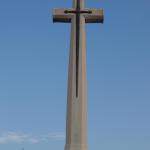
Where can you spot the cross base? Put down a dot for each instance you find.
(75, 147)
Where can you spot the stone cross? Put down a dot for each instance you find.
(76, 138)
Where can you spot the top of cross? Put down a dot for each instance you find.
(78, 3)
(91, 15)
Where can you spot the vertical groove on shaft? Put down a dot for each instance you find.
(77, 45)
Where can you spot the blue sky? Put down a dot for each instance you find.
(33, 75)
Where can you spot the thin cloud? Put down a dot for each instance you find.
(14, 137)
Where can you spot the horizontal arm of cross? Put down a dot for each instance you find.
(59, 15)
(91, 15)
(96, 16)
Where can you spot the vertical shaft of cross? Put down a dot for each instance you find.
(80, 2)
(76, 109)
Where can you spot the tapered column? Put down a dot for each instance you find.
(76, 104)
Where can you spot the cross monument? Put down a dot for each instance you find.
(78, 16)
